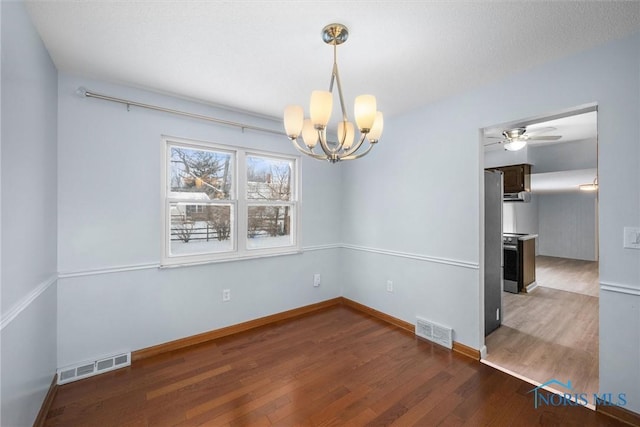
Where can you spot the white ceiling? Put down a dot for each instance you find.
(260, 56)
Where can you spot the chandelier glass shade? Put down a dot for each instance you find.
(313, 130)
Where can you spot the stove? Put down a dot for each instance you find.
(511, 261)
(511, 238)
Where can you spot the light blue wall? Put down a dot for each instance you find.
(29, 218)
(109, 217)
(409, 212)
(418, 195)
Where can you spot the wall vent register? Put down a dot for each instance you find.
(433, 332)
(91, 368)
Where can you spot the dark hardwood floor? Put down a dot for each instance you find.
(334, 367)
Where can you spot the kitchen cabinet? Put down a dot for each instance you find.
(517, 178)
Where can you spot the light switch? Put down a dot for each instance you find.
(632, 237)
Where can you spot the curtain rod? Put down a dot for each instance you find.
(81, 91)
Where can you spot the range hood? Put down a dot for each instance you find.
(523, 196)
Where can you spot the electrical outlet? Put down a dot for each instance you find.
(632, 237)
(389, 286)
(316, 280)
(226, 295)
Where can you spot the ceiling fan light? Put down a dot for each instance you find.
(588, 187)
(593, 186)
(516, 145)
(514, 133)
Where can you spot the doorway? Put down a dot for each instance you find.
(549, 325)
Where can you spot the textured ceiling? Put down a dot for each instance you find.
(260, 56)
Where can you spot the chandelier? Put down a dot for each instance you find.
(314, 129)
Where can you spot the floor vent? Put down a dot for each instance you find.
(434, 332)
(89, 369)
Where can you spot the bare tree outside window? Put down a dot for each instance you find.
(200, 177)
(219, 219)
(269, 182)
(203, 171)
(183, 230)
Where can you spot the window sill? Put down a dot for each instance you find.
(175, 263)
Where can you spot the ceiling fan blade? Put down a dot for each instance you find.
(535, 131)
(488, 144)
(494, 137)
(545, 138)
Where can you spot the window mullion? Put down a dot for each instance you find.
(241, 194)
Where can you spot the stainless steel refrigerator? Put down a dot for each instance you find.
(493, 254)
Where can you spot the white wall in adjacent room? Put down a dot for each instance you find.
(568, 225)
(29, 217)
(520, 217)
(564, 157)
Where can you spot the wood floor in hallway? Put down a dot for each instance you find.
(336, 367)
(571, 275)
(552, 332)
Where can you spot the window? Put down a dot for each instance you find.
(223, 203)
(269, 202)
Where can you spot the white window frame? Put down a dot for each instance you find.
(238, 201)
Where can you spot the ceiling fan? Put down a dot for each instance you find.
(515, 139)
